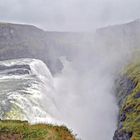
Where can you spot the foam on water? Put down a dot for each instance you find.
(25, 85)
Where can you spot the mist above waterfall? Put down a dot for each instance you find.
(85, 94)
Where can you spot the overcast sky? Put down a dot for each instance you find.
(69, 15)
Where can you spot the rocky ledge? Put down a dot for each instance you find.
(22, 130)
(128, 97)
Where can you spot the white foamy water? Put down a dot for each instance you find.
(25, 85)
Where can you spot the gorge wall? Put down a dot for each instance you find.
(128, 98)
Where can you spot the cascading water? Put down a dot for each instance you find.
(80, 97)
(25, 84)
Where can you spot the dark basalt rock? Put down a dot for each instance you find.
(137, 95)
(121, 135)
(125, 86)
(128, 94)
(122, 117)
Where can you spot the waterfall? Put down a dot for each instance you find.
(26, 91)
(81, 96)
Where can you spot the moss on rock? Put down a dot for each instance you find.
(129, 114)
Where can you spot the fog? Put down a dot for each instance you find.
(70, 15)
(85, 91)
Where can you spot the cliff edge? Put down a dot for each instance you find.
(22, 130)
(128, 97)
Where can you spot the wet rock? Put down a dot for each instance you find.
(125, 86)
(121, 135)
(128, 90)
(122, 117)
(137, 95)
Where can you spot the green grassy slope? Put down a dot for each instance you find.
(22, 130)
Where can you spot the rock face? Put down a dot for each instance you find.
(27, 41)
(119, 36)
(128, 97)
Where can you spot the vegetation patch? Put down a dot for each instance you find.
(22, 130)
(129, 115)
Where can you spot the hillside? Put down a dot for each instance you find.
(22, 130)
(27, 41)
(120, 36)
